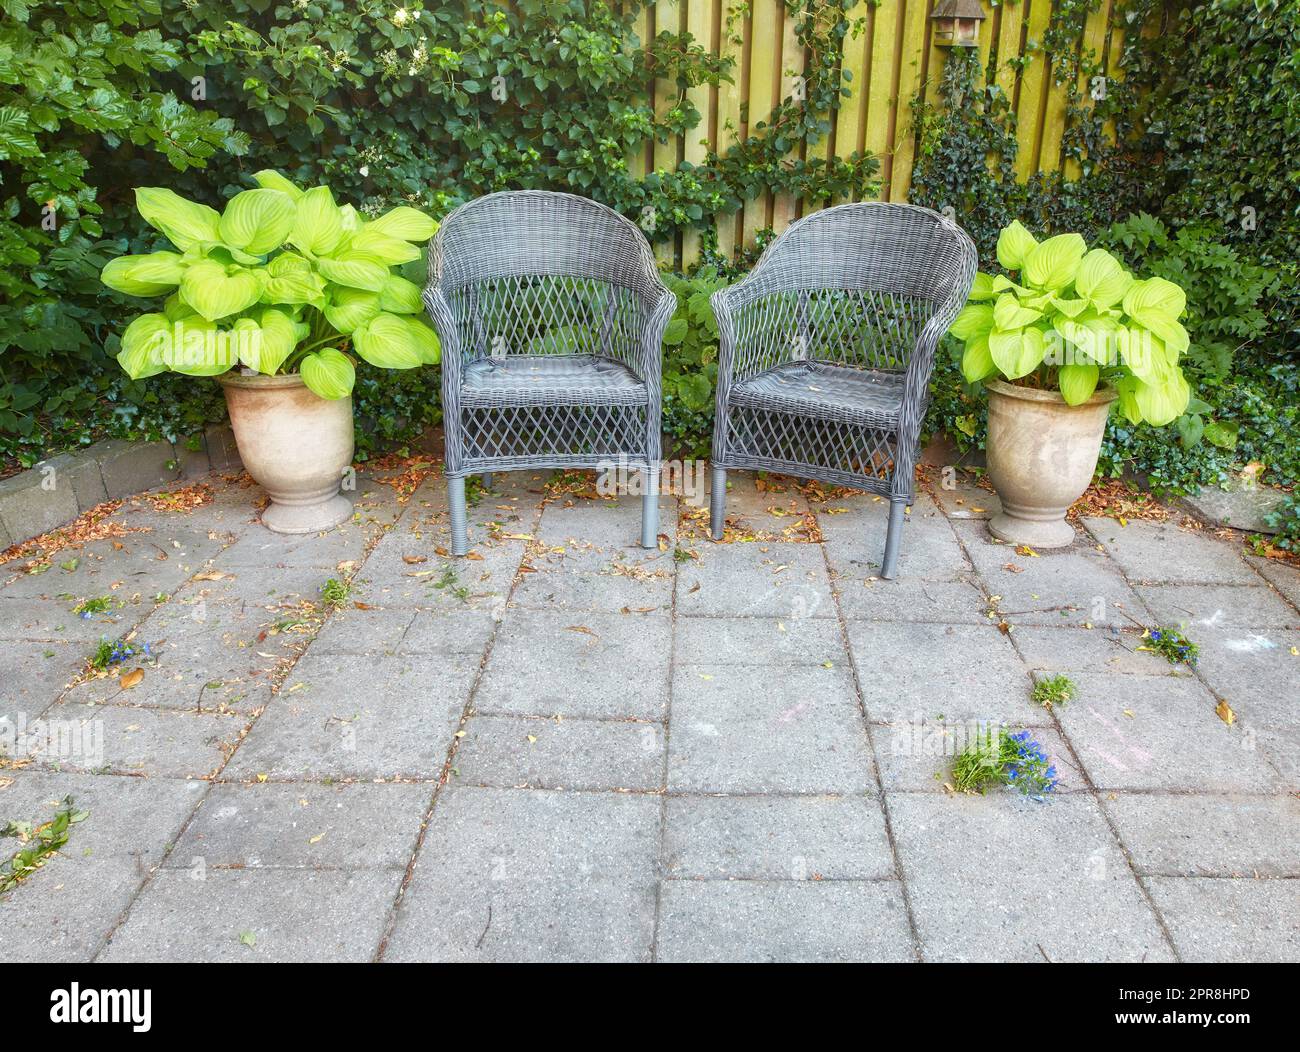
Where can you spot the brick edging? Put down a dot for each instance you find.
(58, 489)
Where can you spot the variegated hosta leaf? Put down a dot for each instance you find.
(975, 319)
(388, 342)
(982, 289)
(1009, 314)
(1163, 403)
(1101, 279)
(976, 361)
(277, 334)
(390, 251)
(425, 340)
(329, 373)
(257, 221)
(292, 279)
(184, 223)
(148, 275)
(1053, 263)
(1019, 352)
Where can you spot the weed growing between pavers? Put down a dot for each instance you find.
(112, 652)
(999, 758)
(1054, 690)
(334, 593)
(1176, 647)
(44, 842)
(99, 604)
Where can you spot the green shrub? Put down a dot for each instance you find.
(690, 373)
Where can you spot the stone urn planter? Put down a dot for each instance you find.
(1042, 453)
(296, 445)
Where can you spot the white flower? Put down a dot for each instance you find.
(364, 170)
(401, 16)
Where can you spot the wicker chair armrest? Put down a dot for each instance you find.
(444, 324)
(655, 319)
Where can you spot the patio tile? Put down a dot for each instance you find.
(910, 599)
(258, 587)
(962, 497)
(127, 740)
(64, 912)
(304, 827)
(737, 729)
(1152, 732)
(755, 579)
(1256, 673)
(798, 838)
(1230, 920)
(36, 673)
(526, 875)
(960, 672)
(547, 663)
(405, 571)
(757, 641)
(765, 506)
(619, 587)
(1162, 551)
(854, 529)
(1226, 608)
(918, 756)
(52, 620)
(1286, 579)
(755, 921)
(1072, 650)
(1001, 878)
(260, 547)
(1077, 585)
(590, 533)
(357, 716)
(287, 915)
(541, 753)
(1209, 836)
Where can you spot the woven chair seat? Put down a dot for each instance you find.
(569, 379)
(860, 396)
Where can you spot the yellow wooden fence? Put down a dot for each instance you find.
(892, 59)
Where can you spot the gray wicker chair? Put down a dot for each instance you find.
(827, 347)
(551, 315)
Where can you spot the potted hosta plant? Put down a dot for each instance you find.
(278, 296)
(1068, 336)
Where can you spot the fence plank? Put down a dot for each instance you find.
(731, 44)
(1029, 110)
(766, 21)
(909, 74)
(699, 23)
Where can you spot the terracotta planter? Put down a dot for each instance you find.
(1042, 453)
(296, 445)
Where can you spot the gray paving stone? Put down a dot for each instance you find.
(148, 742)
(63, 912)
(1209, 836)
(304, 826)
(1001, 878)
(855, 540)
(260, 547)
(1075, 585)
(223, 453)
(619, 587)
(606, 665)
(1220, 608)
(133, 467)
(405, 570)
(918, 756)
(52, 620)
(1231, 920)
(36, 673)
(1162, 551)
(755, 579)
(776, 838)
(757, 641)
(738, 729)
(751, 921)
(81, 471)
(287, 914)
(526, 875)
(588, 534)
(1152, 732)
(1091, 650)
(453, 633)
(1256, 673)
(960, 672)
(267, 587)
(509, 751)
(764, 506)
(1286, 579)
(28, 508)
(357, 717)
(1243, 507)
(912, 599)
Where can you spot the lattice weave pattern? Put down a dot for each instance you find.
(551, 315)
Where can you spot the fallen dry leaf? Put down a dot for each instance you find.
(412, 560)
(1224, 711)
(1024, 549)
(210, 575)
(131, 679)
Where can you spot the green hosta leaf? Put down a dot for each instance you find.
(1053, 264)
(387, 341)
(407, 224)
(329, 373)
(278, 335)
(1173, 334)
(976, 362)
(292, 279)
(425, 340)
(982, 289)
(1162, 403)
(247, 337)
(257, 221)
(974, 319)
(399, 296)
(1077, 382)
(272, 180)
(390, 251)
(1009, 314)
(175, 307)
(349, 308)
(355, 273)
(1070, 308)
(184, 223)
(1092, 336)
(149, 275)
(317, 223)
(1101, 279)
(1019, 352)
(1154, 299)
(1127, 388)
(675, 331)
(1145, 355)
(1014, 245)
(142, 346)
(1002, 283)
(198, 348)
(218, 292)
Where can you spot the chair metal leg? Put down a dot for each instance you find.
(487, 480)
(889, 565)
(718, 503)
(650, 509)
(459, 532)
